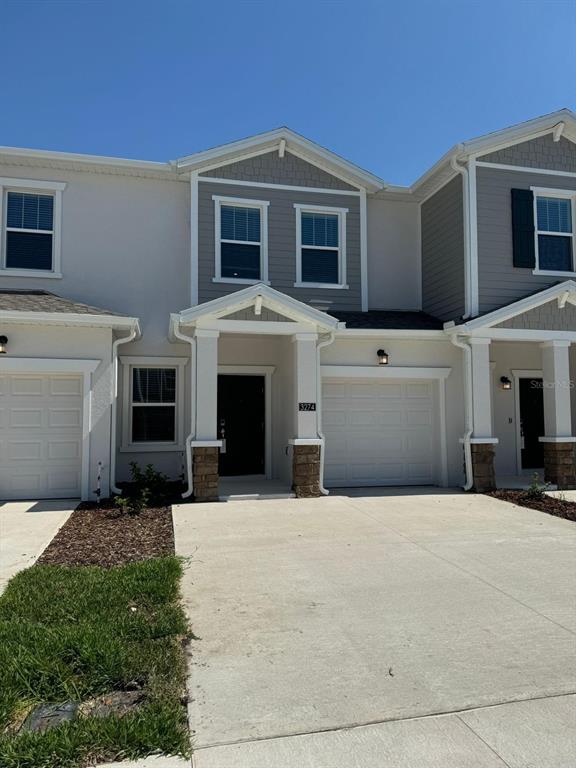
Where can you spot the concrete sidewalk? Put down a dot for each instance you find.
(26, 529)
(388, 631)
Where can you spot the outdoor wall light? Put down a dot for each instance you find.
(382, 357)
(3, 343)
(506, 383)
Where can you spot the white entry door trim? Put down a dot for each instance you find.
(62, 365)
(403, 372)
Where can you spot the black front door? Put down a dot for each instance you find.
(241, 414)
(531, 423)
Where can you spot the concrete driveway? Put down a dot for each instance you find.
(384, 631)
(26, 529)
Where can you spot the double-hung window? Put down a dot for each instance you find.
(554, 213)
(152, 404)
(31, 227)
(241, 236)
(321, 246)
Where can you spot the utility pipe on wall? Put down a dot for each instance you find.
(468, 409)
(192, 341)
(114, 405)
(463, 171)
(319, 346)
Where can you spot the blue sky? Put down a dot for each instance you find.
(390, 86)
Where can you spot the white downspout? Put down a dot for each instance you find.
(463, 170)
(468, 409)
(321, 344)
(192, 341)
(114, 406)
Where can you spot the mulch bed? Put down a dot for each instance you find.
(101, 535)
(548, 504)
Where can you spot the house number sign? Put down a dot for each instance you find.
(306, 406)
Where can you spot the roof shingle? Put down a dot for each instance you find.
(385, 319)
(44, 301)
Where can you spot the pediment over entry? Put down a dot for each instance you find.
(258, 304)
(553, 309)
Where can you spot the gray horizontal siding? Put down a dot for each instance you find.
(273, 169)
(548, 317)
(443, 252)
(542, 152)
(281, 243)
(500, 282)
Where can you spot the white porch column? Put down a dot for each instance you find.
(557, 392)
(305, 391)
(481, 388)
(206, 383)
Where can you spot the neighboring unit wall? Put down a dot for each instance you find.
(270, 168)
(500, 282)
(442, 226)
(281, 243)
(125, 246)
(542, 152)
(393, 255)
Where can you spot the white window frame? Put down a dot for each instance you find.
(34, 187)
(239, 202)
(565, 194)
(128, 365)
(301, 208)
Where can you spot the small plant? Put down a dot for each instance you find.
(537, 489)
(155, 484)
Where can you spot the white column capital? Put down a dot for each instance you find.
(477, 341)
(556, 344)
(206, 333)
(304, 337)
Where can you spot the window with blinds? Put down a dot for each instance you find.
(240, 242)
(555, 233)
(320, 247)
(29, 231)
(153, 405)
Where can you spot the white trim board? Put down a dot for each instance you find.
(266, 371)
(286, 187)
(382, 372)
(61, 365)
(525, 169)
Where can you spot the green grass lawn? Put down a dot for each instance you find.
(75, 633)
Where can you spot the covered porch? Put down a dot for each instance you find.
(523, 391)
(255, 428)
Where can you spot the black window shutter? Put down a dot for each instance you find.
(523, 228)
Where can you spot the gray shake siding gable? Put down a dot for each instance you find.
(270, 168)
(443, 252)
(281, 243)
(547, 317)
(499, 282)
(542, 152)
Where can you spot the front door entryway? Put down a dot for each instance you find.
(241, 424)
(531, 422)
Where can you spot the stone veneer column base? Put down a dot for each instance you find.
(560, 465)
(205, 473)
(306, 471)
(483, 467)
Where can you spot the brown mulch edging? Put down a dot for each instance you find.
(548, 504)
(101, 536)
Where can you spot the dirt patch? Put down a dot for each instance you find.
(101, 535)
(549, 504)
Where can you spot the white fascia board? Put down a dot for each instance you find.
(391, 333)
(71, 319)
(72, 157)
(271, 298)
(512, 310)
(312, 152)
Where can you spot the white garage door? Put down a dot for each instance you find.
(40, 436)
(380, 432)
